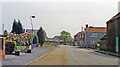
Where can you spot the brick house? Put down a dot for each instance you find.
(113, 32)
(92, 35)
(81, 40)
(77, 39)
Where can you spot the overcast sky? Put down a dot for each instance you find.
(57, 15)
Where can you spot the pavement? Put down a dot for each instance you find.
(70, 55)
(108, 53)
(26, 58)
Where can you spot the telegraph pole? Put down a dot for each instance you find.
(3, 29)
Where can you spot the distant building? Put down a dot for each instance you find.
(90, 36)
(77, 39)
(53, 40)
(113, 33)
(35, 31)
(47, 39)
(57, 39)
(30, 30)
(82, 37)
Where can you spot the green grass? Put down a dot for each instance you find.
(50, 43)
(21, 47)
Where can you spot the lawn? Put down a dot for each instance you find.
(21, 47)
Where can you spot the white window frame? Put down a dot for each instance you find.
(94, 35)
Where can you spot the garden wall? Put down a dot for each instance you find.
(2, 49)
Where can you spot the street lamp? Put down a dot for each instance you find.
(3, 29)
(32, 30)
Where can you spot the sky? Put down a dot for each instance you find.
(57, 15)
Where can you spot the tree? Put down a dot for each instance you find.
(17, 27)
(5, 33)
(14, 27)
(65, 36)
(35, 39)
(41, 36)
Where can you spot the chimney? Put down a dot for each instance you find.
(86, 25)
(82, 29)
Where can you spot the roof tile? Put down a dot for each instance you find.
(96, 29)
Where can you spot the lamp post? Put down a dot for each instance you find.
(32, 30)
(3, 29)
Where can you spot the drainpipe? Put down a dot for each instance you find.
(117, 37)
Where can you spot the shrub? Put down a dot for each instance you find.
(35, 39)
(38, 44)
(30, 39)
(10, 46)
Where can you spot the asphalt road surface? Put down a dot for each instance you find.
(79, 56)
(71, 55)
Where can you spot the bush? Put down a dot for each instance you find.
(50, 43)
(35, 39)
(29, 40)
(38, 44)
(10, 46)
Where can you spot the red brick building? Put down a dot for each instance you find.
(113, 31)
(2, 49)
(77, 39)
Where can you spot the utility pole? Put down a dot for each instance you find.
(3, 29)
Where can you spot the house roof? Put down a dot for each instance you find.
(115, 17)
(50, 39)
(77, 34)
(96, 29)
(56, 36)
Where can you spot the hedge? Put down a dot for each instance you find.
(10, 46)
(50, 43)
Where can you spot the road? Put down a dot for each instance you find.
(79, 56)
(70, 55)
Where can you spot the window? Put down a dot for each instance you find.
(92, 42)
(82, 35)
(94, 35)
